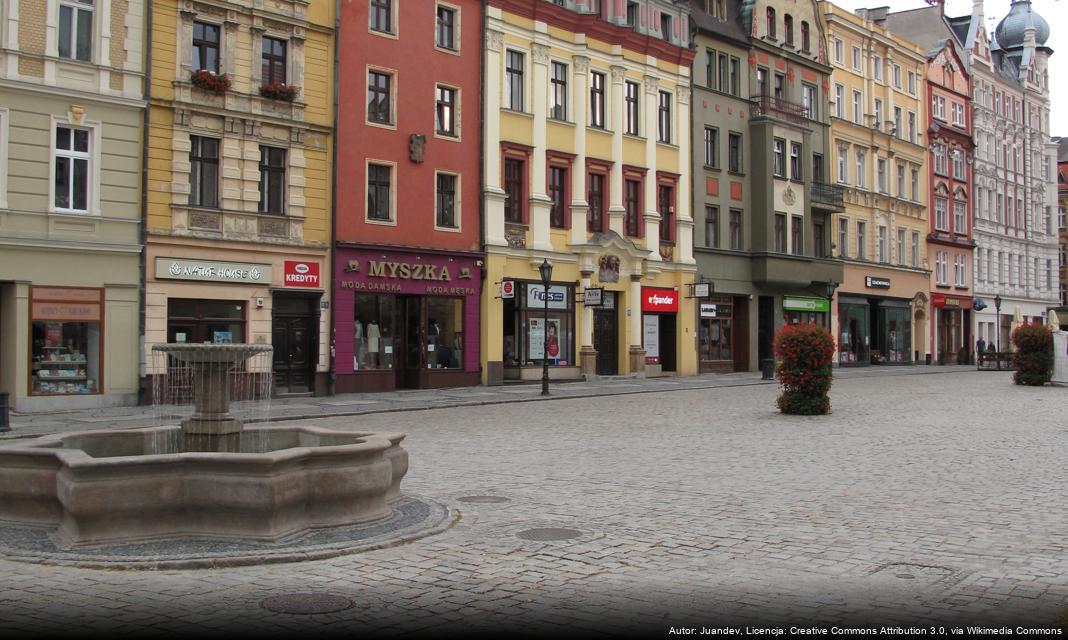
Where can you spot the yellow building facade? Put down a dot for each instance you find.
(240, 181)
(878, 111)
(586, 166)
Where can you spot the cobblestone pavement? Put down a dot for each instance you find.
(921, 500)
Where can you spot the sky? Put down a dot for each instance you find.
(1054, 11)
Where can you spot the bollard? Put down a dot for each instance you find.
(767, 368)
(5, 416)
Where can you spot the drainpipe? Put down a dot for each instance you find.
(332, 374)
(143, 232)
(482, 164)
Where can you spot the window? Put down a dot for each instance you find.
(206, 47)
(808, 100)
(843, 163)
(379, 192)
(797, 246)
(632, 204)
(915, 185)
(780, 232)
(912, 82)
(959, 215)
(806, 40)
(665, 26)
(72, 169)
(734, 152)
(446, 31)
(780, 86)
(839, 100)
(900, 180)
(1049, 274)
(514, 179)
(901, 247)
(940, 164)
(941, 214)
(862, 240)
(274, 61)
(818, 248)
(724, 76)
(513, 78)
(710, 68)
(877, 67)
(379, 102)
(878, 124)
(630, 98)
(770, 23)
(838, 46)
(632, 14)
(915, 249)
(558, 195)
(665, 199)
(76, 30)
(880, 173)
(938, 107)
(736, 229)
(762, 81)
(735, 74)
(1062, 218)
(715, 335)
(897, 76)
(858, 113)
(446, 201)
(897, 123)
(558, 108)
(843, 237)
(203, 172)
(382, 16)
(958, 114)
(597, 100)
(856, 58)
(66, 356)
(960, 271)
(912, 127)
(817, 167)
(788, 28)
(595, 198)
(958, 164)
(882, 247)
(778, 167)
(862, 168)
(711, 147)
(272, 180)
(664, 118)
(942, 268)
(445, 116)
(197, 321)
(795, 160)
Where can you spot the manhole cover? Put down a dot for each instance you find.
(548, 534)
(931, 574)
(306, 603)
(483, 499)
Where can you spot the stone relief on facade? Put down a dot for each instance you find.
(608, 268)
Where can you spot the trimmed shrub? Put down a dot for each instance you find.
(1034, 354)
(804, 353)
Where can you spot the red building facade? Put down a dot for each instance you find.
(407, 265)
(949, 240)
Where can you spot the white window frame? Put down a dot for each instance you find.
(897, 76)
(394, 88)
(394, 20)
(457, 204)
(858, 109)
(883, 245)
(901, 246)
(457, 130)
(960, 276)
(958, 164)
(843, 164)
(856, 58)
(843, 237)
(960, 217)
(456, 30)
(75, 6)
(942, 268)
(93, 155)
(938, 107)
(862, 239)
(912, 83)
(941, 213)
(5, 117)
(551, 91)
(901, 180)
(880, 171)
(839, 50)
(862, 164)
(877, 67)
(915, 250)
(393, 175)
(839, 100)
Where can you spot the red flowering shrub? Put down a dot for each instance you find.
(1034, 354)
(280, 91)
(804, 353)
(208, 81)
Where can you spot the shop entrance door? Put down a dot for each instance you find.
(606, 341)
(411, 337)
(294, 326)
(667, 342)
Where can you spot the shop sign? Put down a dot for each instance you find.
(70, 311)
(536, 296)
(408, 273)
(702, 289)
(651, 338)
(213, 271)
(67, 295)
(708, 310)
(660, 300)
(797, 303)
(391, 269)
(593, 297)
(875, 282)
(301, 274)
(508, 289)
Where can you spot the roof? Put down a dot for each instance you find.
(1062, 149)
(731, 28)
(924, 26)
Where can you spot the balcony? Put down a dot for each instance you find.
(827, 197)
(765, 105)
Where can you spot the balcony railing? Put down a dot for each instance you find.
(765, 105)
(827, 196)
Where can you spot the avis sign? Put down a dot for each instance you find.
(660, 300)
(301, 274)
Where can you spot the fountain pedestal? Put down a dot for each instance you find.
(211, 427)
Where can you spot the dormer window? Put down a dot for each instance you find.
(788, 27)
(771, 23)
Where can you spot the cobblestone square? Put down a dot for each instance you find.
(922, 500)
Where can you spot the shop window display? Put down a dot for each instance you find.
(715, 330)
(894, 336)
(854, 340)
(525, 326)
(444, 333)
(66, 357)
(215, 321)
(373, 332)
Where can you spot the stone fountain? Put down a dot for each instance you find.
(210, 478)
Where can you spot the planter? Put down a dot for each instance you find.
(211, 82)
(280, 91)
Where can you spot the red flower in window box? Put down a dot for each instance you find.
(217, 83)
(280, 91)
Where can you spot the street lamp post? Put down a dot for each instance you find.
(997, 328)
(546, 272)
(831, 287)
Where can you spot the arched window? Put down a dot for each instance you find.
(788, 27)
(771, 22)
(805, 43)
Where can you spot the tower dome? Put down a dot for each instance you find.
(1010, 31)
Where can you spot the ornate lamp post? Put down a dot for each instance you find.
(997, 328)
(831, 287)
(546, 272)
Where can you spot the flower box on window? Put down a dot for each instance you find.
(217, 83)
(280, 91)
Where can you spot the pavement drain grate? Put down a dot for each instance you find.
(484, 499)
(931, 574)
(548, 534)
(306, 603)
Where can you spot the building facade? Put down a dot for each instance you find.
(586, 164)
(878, 128)
(1062, 219)
(71, 113)
(239, 181)
(408, 269)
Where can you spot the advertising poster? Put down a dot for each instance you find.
(537, 338)
(651, 338)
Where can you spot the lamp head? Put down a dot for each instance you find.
(546, 271)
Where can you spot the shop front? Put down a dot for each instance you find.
(877, 311)
(951, 328)
(660, 311)
(722, 333)
(806, 310)
(406, 320)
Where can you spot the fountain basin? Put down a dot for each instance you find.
(130, 485)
